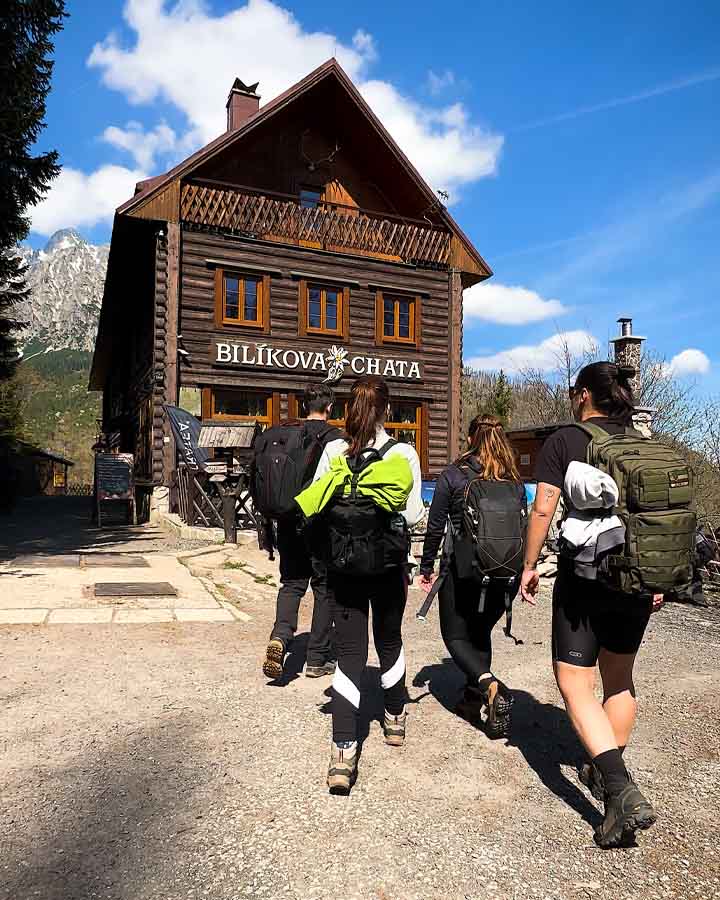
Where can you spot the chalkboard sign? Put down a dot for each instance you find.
(114, 472)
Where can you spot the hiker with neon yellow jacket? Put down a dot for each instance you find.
(365, 497)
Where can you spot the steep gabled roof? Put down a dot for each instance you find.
(152, 187)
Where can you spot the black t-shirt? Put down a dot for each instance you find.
(568, 444)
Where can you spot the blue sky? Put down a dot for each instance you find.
(580, 147)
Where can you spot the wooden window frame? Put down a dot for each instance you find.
(272, 407)
(421, 425)
(415, 319)
(263, 283)
(343, 292)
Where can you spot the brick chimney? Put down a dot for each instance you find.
(628, 352)
(242, 102)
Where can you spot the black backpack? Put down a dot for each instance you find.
(285, 460)
(360, 539)
(489, 548)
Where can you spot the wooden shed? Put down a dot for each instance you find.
(301, 245)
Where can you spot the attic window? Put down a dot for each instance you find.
(310, 198)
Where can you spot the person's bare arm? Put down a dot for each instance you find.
(546, 501)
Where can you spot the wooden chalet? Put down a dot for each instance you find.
(299, 245)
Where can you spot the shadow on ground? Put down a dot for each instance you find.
(56, 526)
(541, 731)
(106, 825)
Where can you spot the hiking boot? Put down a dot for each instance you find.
(343, 767)
(274, 655)
(590, 776)
(394, 729)
(327, 668)
(499, 701)
(470, 705)
(625, 813)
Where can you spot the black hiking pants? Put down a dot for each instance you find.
(468, 633)
(298, 569)
(353, 598)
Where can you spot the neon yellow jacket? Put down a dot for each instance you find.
(387, 482)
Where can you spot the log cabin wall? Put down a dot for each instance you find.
(159, 357)
(203, 252)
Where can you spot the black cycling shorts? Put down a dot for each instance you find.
(587, 617)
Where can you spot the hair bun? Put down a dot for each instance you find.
(627, 372)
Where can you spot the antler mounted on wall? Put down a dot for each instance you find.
(314, 164)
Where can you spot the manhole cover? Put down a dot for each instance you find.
(114, 560)
(62, 560)
(135, 589)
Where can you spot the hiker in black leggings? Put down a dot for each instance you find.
(466, 631)
(354, 596)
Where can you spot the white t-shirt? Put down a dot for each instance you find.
(415, 509)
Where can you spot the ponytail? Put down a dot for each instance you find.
(610, 388)
(491, 448)
(369, 399)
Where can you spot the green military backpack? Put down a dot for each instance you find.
(656, 505)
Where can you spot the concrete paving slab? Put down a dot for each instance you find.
(80, 616)
(73, 587)
(204, 615)
(237, 613)
(22, 616)
(143, 616)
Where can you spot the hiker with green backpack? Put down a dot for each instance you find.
(365, 497)
(632, 542)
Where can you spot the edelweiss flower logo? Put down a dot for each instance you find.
(336, 360)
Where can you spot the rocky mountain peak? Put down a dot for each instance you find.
(64, 239)
(66, 282)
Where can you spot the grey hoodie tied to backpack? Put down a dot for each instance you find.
(589, 530)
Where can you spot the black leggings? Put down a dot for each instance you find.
(467, 632)
(352, 600)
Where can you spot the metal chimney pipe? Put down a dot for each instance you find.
(625, 326)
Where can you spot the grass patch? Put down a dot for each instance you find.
(229, 564)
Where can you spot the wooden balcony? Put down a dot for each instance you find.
(327, 226)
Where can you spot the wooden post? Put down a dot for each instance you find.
(455, 368)
(171, 343)
(229, 522)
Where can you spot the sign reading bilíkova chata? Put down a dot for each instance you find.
(335, 361)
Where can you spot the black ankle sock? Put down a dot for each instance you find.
(612, 768)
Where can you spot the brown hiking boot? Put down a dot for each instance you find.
(499, 701)
(394, 728)
(343, 767)
(274, 655)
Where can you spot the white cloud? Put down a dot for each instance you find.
(188, 57)
(364, 43)
(77, 199)
(689, 362)
(504, 304)
(143, 145)
(437, 83)
(544, 356)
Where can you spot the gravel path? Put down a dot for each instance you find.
(156, 762)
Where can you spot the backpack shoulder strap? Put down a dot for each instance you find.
(594, 432)
(384, 449)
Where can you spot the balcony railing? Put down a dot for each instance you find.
(329, 226)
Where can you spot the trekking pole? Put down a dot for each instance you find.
(432, 593)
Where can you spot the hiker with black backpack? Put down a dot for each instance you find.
(285, 459)
(365, 496)
(480, 506)
(638, 542)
